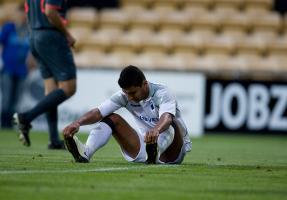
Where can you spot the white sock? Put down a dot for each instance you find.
(165, 139)
(98, 137)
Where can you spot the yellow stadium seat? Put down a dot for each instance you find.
(130, 41)
(206, 64)
(151, 59)
(88, 58)
(274, 64)
(237, 22)
(165, 6)
(251, 45)
(221, 44)
(116, 60)
(206, 4)
(278, 46)
(80, 16)
(205, 21)
(11, 1)
(101, 40)
(81, 34)
(257, 5)
(185, 60)
(142, 3)
(148, 19)
(7, 11)
(228, 5)
(115, 18)
(158, 42)
(192, 42)
(246, 63)
(266, 22)
(133, 7)
(175, 21)
(3, 16)
(124, 55)
(178, 61)
(195, 10)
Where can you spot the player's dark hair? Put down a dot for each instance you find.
(131, 76)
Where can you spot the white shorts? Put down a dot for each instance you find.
(165, 139)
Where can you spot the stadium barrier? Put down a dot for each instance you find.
(245, 106)
(208, 105)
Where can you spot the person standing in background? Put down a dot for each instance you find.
(50, 43)
(15, 56)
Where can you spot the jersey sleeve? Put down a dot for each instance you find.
(167, 102)
(115, 102)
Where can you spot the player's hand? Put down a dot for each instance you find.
(71, 129)
(71, 40)
(151, 136)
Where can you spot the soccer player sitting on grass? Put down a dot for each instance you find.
(161, 137)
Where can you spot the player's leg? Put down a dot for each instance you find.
(98, 137)
(172, 144)
(125, 135)
(114, 125)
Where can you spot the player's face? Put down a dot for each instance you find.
(137, 93)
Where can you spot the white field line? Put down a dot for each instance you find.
(104, 169)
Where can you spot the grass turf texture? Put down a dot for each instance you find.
(218, 167)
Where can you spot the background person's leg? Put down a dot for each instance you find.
(18, 88)
(51, 101)
(52, 118)
(6, 88)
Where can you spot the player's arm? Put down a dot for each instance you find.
(90, 117)
(163, 124)
(95, 115)
(167, 110)
(55, 19)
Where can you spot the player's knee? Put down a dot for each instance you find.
(114, 117)
(69, 87)
(69, 91)
(108, 120)
(112, 120)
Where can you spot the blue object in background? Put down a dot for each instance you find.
(15, 50)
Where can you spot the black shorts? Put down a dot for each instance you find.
(55, 58)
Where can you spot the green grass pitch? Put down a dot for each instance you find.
(218, 167)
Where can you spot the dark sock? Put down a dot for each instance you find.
(50, 102)
(52, 119)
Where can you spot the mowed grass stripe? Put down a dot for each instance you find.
(105, 169)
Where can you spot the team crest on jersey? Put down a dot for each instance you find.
(152, 106)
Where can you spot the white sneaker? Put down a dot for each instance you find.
(77, 149)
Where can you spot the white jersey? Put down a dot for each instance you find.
(147, 112)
